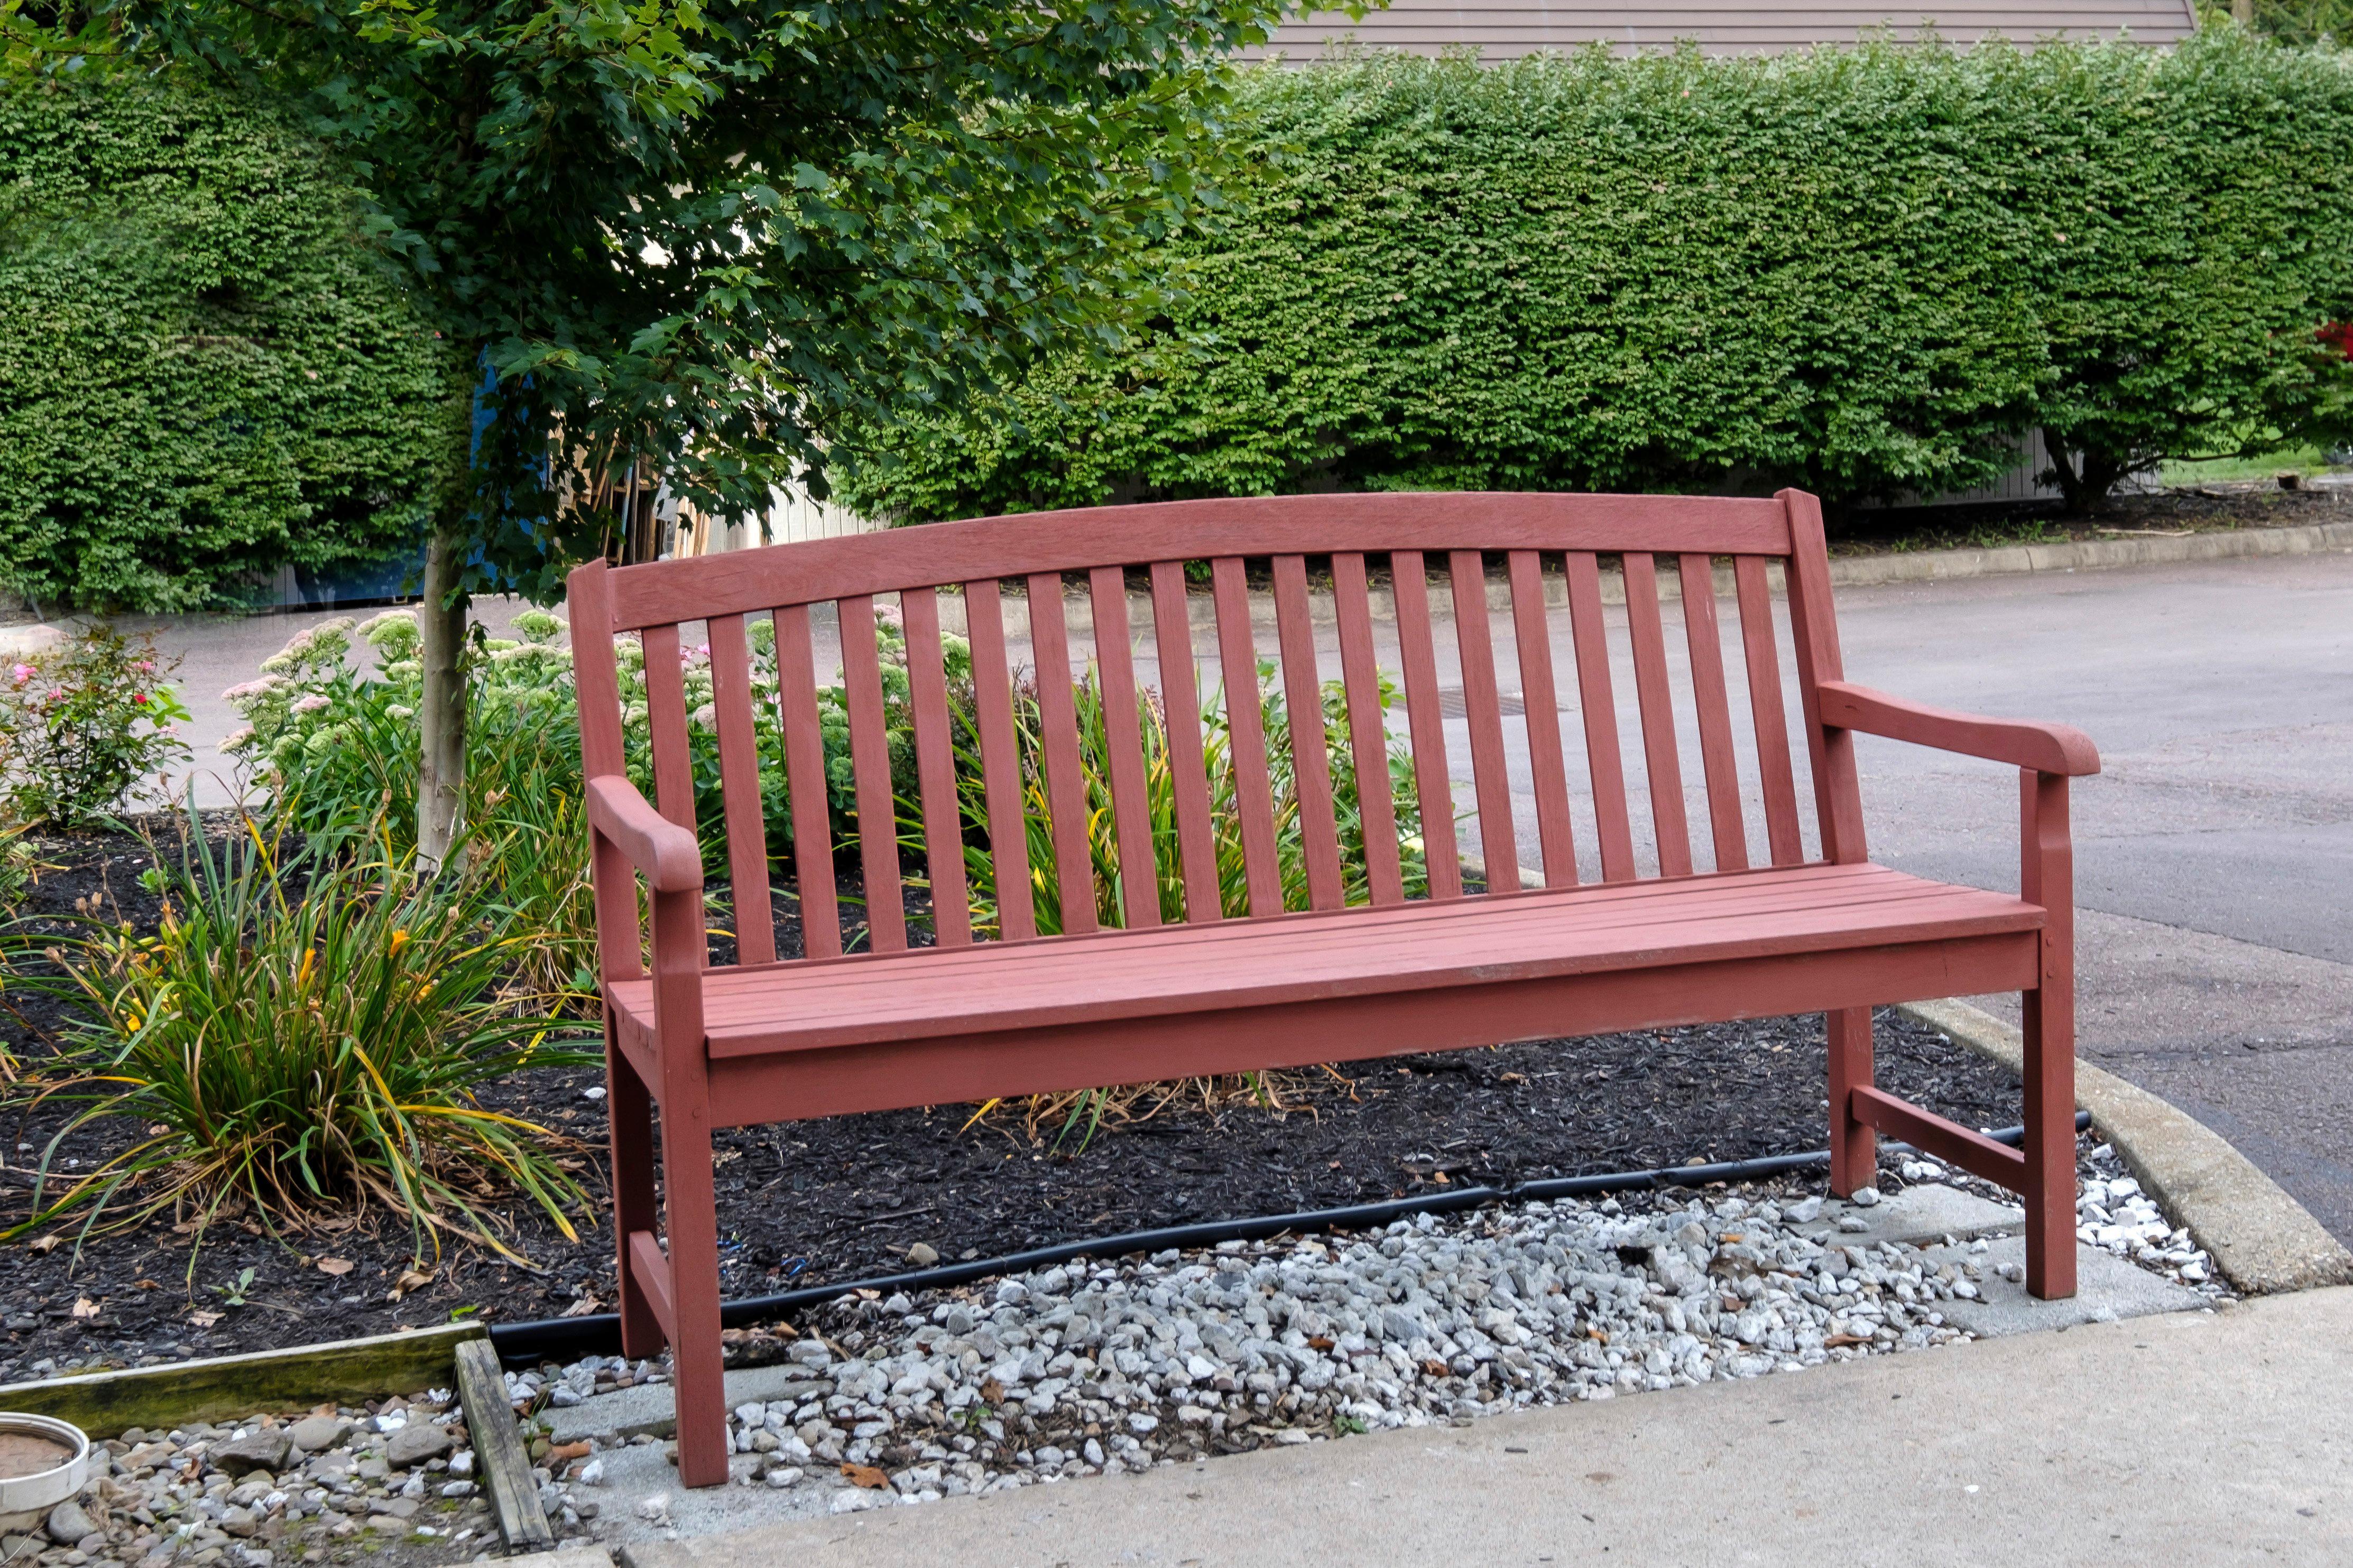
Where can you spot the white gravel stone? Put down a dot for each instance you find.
(1124, 1365)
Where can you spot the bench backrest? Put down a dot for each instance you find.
(1102, 792)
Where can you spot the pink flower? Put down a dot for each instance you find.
(22, 672)
(139, 697)
(146, 667)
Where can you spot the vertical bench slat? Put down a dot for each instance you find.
(1706, 642)
(927, 691)
(1066, 781)
(1655, 699)
(1368, 741)
(1311, 767)
(1484, 713)
(805, 778)
(739, 783)
(1139, 871)
(666, 727)
(870, 761)
(1180, 697)
(1764, 662)
(1418, 659)
(1253, 790)
(1542, 702)
(1813, 627)
(604, 750)
(1000, 759)
(1602, 758)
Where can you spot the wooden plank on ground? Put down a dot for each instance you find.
(499, 1453)
(104, 1404)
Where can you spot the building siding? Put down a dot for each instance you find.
(1511, 28)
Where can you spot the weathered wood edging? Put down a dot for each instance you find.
(289, 1381)
(2263, 1240)
(498, 1451)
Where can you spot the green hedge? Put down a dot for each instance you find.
(204, 370)
(1860, 271)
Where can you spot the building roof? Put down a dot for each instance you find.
(1507, 29)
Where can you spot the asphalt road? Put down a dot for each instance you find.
(2214, 851)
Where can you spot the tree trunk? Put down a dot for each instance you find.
(2086, 475)
(2244, 11)
(441, 627)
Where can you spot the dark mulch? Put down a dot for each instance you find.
(814, 1202)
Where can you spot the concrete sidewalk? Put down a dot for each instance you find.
(2189, 1439)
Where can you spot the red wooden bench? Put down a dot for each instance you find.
(1767, 929)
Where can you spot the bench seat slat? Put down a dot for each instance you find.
(1326, 955)
(823, 1001)
(951, 1069)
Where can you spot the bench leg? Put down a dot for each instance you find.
(1854, 1145)
(2047, 876)
(691, 1207)
(629, 1113)
(2050, 1139)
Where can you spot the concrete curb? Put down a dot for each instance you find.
(1927, 565)
(2263, 1240)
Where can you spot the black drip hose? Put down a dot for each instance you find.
(599, 1334)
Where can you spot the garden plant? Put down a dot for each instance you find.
(86, 727)
(303, 1034)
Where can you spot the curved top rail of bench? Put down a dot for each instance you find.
(740, 582)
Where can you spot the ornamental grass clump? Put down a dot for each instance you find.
(305, 1033)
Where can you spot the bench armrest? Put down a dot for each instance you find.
(666, 853)
(2044, 747)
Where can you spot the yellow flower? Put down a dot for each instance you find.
(399, 941)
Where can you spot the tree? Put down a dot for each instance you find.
(691, 235)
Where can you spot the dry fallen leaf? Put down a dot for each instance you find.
(85, 1308)
(1835, 1340)
(145, 1285)
(1319, 1342)
(411, 1278)
(203, 1319)
(992, 1392)
(582, 1308)
(564, 1451)
(867, 1476)
(338, 1267)
(48, 1243)
(1436, 1368)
